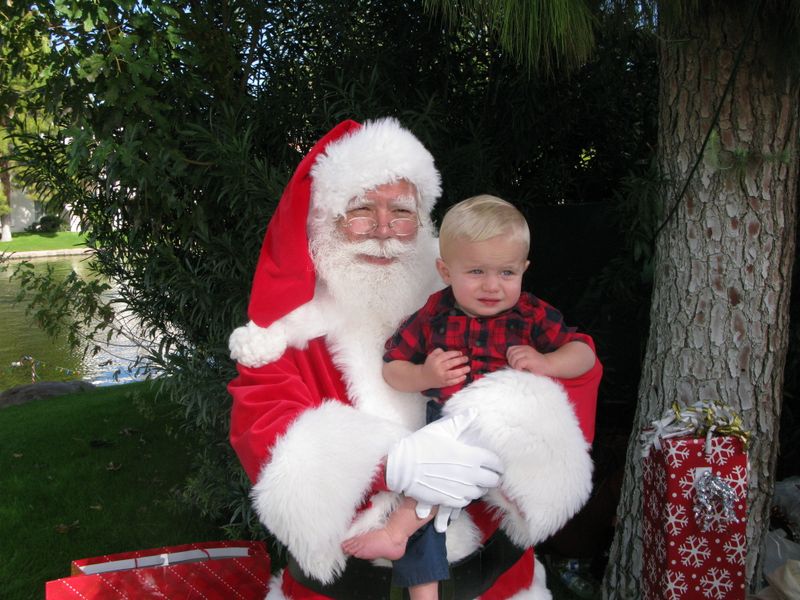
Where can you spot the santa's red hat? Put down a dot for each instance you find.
(348, 161)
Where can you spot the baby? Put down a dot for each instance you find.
(480, 323)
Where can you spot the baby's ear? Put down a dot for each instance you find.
(444, 270)
(527, 264)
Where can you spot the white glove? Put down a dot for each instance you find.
(432, 466)
(444, 517)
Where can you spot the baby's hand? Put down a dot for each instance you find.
(526, 358)
(444, 368)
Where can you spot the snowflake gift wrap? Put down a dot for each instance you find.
(685, 556)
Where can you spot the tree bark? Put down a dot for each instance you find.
(5, 219)
(723, 261)
(5, 182)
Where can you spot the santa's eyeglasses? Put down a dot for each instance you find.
(365, 225)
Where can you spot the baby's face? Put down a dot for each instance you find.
(486, 276)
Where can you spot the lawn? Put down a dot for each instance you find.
(30, 242)
(84, 475)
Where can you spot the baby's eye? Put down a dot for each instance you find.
(507, 273)
(475, 271)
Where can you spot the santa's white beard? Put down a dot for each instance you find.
(380, 294)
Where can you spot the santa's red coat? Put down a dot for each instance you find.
(313, 442)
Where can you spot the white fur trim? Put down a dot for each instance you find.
(357, 352)
(463, 537)
(379, 152)
(254, 346)
(320, 472)
(381, 505)
(274, 592)
(529, 422)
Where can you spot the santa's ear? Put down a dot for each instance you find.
(444, 270)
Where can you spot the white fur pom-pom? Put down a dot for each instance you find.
(254, 346)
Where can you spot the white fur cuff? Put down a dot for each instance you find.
(321, 471)
(529, 422)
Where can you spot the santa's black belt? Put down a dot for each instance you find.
(469, 577)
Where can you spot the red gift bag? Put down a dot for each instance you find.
(211, 570)
(681, 558)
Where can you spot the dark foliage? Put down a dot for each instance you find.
(176, 131)
(50, 224)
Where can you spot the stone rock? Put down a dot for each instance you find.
(41, 389)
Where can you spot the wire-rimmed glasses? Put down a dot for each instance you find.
(365, 225)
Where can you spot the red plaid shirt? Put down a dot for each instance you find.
(441, 324)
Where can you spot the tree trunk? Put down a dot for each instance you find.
(5, 219)
(723, 262)
(5, 182)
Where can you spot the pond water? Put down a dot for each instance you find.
(24, 347)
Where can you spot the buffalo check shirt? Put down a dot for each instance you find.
(441, 324)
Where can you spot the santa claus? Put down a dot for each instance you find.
(330, 447)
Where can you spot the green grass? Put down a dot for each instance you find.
(29, 242)
(85, 475)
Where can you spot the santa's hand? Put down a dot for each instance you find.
(423, 510)
(432, 466)
(444, 515)
(443, 518)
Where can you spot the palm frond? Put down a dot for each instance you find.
(539, 34)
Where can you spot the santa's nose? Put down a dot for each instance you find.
(382, 229)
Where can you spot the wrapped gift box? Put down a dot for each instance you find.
(211, 570)
(681, 559)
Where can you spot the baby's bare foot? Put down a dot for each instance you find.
(375, 544)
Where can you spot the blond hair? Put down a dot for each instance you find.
(480, 218)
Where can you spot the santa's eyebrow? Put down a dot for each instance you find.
(359, 202)
(407, 202)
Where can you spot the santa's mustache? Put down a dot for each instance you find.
(388, 248)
